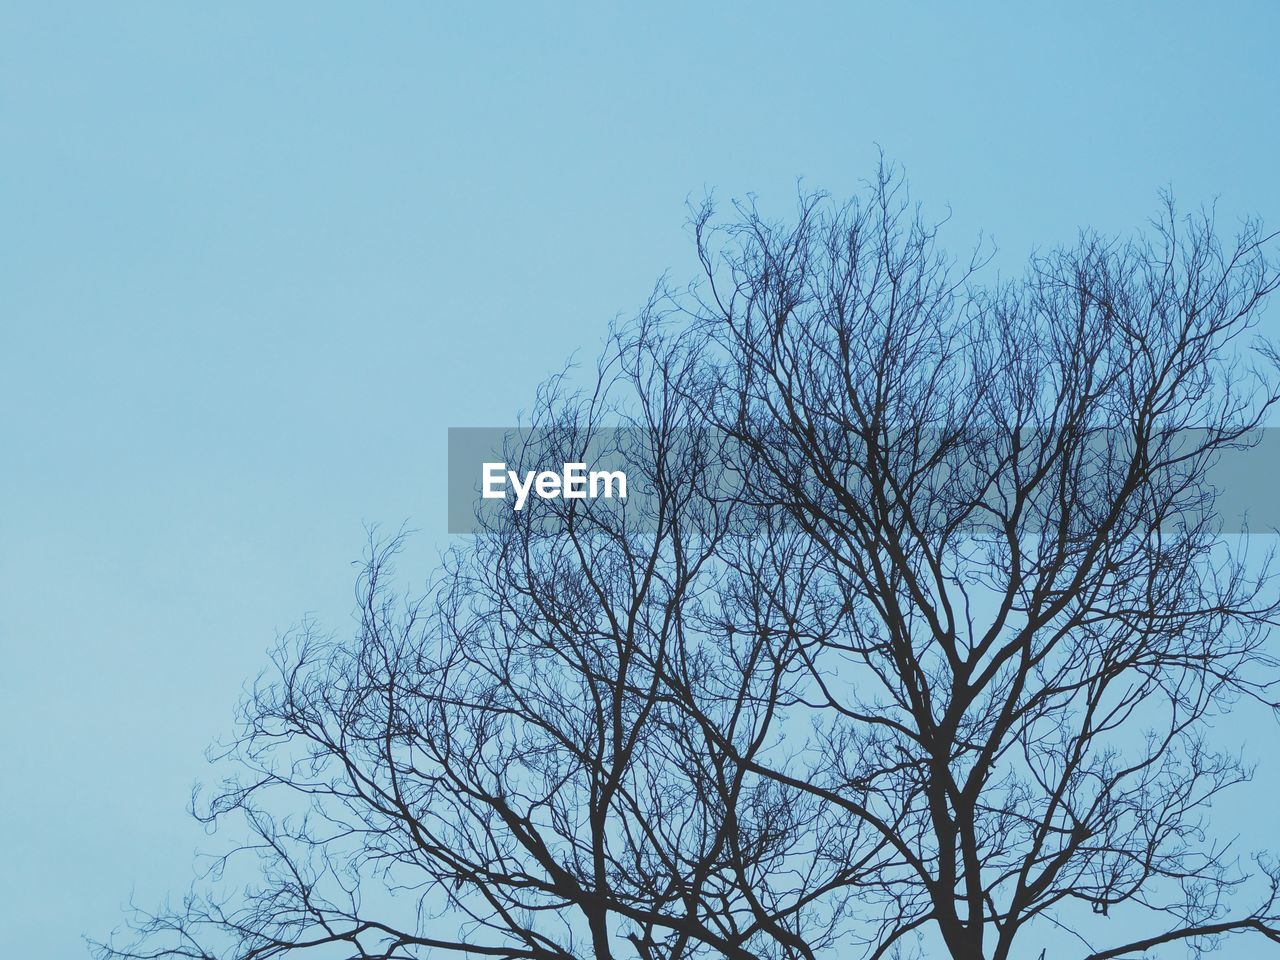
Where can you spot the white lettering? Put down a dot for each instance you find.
(522, 492)
(548, 485)
(574, 483)
(607, 478)
(494, 478)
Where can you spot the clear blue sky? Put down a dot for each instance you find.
(255, 259)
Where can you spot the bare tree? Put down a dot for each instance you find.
(912, 642)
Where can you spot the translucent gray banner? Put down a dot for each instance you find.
(555, 471)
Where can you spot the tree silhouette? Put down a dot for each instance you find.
(910, 640)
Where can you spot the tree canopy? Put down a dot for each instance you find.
(909, 639)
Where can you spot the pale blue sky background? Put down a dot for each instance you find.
(256, 258)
